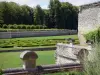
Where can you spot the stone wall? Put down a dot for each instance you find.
(88, 20)
(18, 34)
(69, 53)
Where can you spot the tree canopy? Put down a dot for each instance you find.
(61, 15)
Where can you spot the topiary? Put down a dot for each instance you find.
(24, 27)
(11, 26)
(5, 26)
(19, 27)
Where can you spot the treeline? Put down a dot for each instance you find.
(61, 15)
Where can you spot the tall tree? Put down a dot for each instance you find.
(57, 13)
(26, 14)
(47, 18)
(1, 15)
(66, 12)
(52, 13)
(38, 15)
(62, 15)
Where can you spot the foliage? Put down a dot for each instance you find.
(38, 15)
(94, 35)
(9, 43)
(59, 15)
(5, 26)
(92, 65)
(63, 15)
(66, 73)
(14, 26)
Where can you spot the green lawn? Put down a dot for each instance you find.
(49, 37)
(12, 60)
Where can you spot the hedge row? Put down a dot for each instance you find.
(15, 26)
(31, 43)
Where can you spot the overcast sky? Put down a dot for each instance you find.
(44, 3)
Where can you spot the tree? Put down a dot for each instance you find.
(57, 13)
(38, 15)
(52, 13)
(1, 15)
(61, 15)
(46, 18)
(27, 14)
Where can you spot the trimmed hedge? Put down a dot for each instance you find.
(15, 26)
(9, 43)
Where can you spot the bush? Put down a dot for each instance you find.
(15, 26)
(19, 27)
(92, 67)
(44, 27)
(5, 26)
(28, 27)
(94, 35)
(11, 26)
(33, 27)
(24, 27)
(1, 25)
(37, 26)
(40, 27)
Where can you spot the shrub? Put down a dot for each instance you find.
(19, 27)
(40, 27)
(24, 27)
(28, 27)
(32, 27)
(5, 26)
(44, 27)
(1, 25)
(93, 67)
(11, 26)
(15, 26)
(94, 35)
(37, 26)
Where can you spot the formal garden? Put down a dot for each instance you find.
(60, 40)
(46, 57)
(12, 59)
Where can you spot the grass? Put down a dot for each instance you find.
(12, 60)
(66, 73)
(18, 48)
(48, 37)
(35, 41)
(92, 65)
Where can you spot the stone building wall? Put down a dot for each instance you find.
(88, 20)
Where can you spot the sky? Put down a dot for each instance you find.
(45, 3)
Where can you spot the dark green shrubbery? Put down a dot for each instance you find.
(18, 27)
(24, 27)
(1, 25)
(11, 26)
(28, 27)
(44, 27)
(37, 27)
(4, 26)
(33, 27)
(93, 36)
(15, 26)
